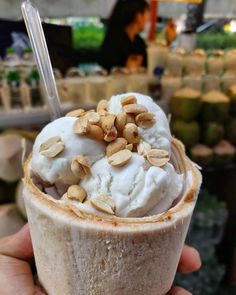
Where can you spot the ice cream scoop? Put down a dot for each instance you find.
(57, 170)
(137, 188)
(158, 136)
(126, 163)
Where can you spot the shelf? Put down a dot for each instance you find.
(26, 118)
(39, 116)
(32, 117)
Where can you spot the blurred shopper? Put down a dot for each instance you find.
(123, 46)
(170, 31)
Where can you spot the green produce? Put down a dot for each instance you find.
(232, 95)
(185, 104)
(202, 155)
(188, 133)
(13, 77)
(224, 153)
(10, 50)
(215, 106)
(212, 133)
(230, 130)
(28, 50)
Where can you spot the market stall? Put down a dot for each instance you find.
(196, 89)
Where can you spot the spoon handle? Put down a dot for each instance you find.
(39, 46)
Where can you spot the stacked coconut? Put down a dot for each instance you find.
(15, 145)
(204, 125)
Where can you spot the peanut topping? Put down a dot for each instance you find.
(108, 200)
(103, 113)
(116, 146)
(102, 105)
(81, 125)
(52, 147)
(143, 148)
(158, 158)
(135, 109)
(108, 122)
(145, 120)
(80, 167)
(95, 132)
(130, 133)
(111, 134)
(120, 121)
(103, 204)
(88, 202)
(76, 113)
(130, 118)
(120, 158)
(93, 117)
(64, 197)
(128, 100)
(130, 147)
(76, 192)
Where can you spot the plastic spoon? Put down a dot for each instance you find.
(35, 31)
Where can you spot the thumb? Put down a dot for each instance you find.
(18, 245)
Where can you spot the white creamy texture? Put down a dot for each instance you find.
(137, 188)
(57, 170)
(158, 136)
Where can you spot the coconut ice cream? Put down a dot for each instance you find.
(113, 193)
(147, 190)
(56, 168)
(157, 134)
(144, 144)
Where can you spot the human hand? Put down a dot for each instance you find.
(189, 262)
(15, 273)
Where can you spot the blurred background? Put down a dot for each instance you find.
(187, 64)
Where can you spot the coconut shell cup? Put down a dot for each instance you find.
(90, 255)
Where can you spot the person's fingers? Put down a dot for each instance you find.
(15, 276)
(38, 291)
(178, 291)
(39, 288)
(190, 260)
(18, 245)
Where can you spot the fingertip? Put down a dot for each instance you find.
(179, 291)
(196, 259)
(190, 260)
(24, 233)
(24, 230)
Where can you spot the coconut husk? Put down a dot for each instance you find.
(86, 254)
(11, 157)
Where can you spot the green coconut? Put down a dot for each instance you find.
(224, 153)
(185, 104)
(188, 133)
(230, 130)
(202, 155)
(212, 133)
(232, 95)
(215, 106)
